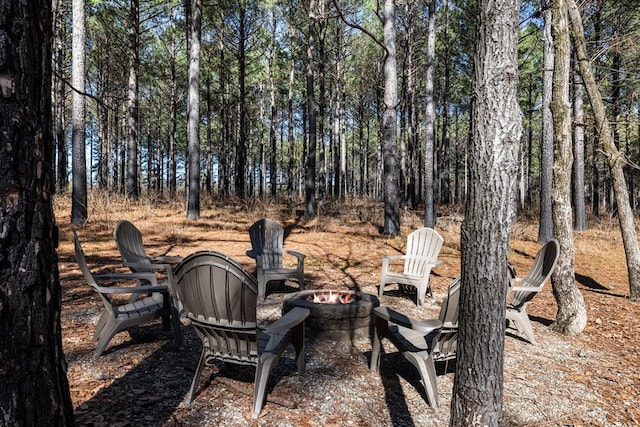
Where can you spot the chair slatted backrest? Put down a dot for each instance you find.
(543, 265)
(267, 240)
(86, 273)
(446, 342)
(129, 243)
(219, 297)
(423, 247)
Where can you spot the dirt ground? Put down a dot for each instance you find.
(142, 379)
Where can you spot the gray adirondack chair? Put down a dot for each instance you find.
(267, 238)
(130, 245)
(522, 290)
(421, 342)
(146, 303)
(219, 297)
(423, 247)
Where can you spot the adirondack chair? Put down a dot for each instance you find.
(421, 342)
(267, 239)
(423, 247)
(147, 302)
(129, 242)
(219, 297)
(522, 290)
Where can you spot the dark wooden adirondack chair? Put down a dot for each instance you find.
(219, 297)
(421, 342)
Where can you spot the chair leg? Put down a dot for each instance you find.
(177, 327)
(297, 340)
(260, 383)
(196, 377)
(424, 363)
(523, 324)
(379, 332)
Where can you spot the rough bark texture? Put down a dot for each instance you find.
(572, 316)
(545, 227)
(429, 120)
(614, 158)
(132, 120)
(497, 121)
(478, 388)
(391, 204)
(579, 204)
(193, 134)
(79, 161)
(33, 383)
(310, 170)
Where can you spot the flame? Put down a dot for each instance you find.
(329, 297)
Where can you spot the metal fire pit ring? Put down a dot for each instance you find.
(337, 321)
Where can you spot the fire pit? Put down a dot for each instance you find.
(340, 315)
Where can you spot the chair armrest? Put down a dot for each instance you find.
(166, 259)
(292, 318)
(147, 266)
(393, 316)
(129, 276)
(132, 290)
(296, 254)
(531, 289)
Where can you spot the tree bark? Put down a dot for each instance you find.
(310, 170)
(579, 203)
(134, 70)
(430, 117)
(33, 384)
(493, 165)
(615, 159)
(193, 134)
(545, 226)
(391, 204)
(572, 316)
(78, 153)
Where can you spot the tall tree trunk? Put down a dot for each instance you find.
(241, 157)
(290, 127)
(59, 94)
(134, 70)
(273, 165)
(391, 204)
(445, 190)
(34, 390)
(193, 105)
(429, 119)
(493, 164)
(545, 226)
(78, 161)
(572, 316)
(310, 170)
(614, 158)
(321, 22)
(173, 128)
(579, 204)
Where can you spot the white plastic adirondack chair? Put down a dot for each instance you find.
(423, 247)
(267, 238)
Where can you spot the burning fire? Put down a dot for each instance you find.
(330, 297)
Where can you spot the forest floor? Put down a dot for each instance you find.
(142, 379)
